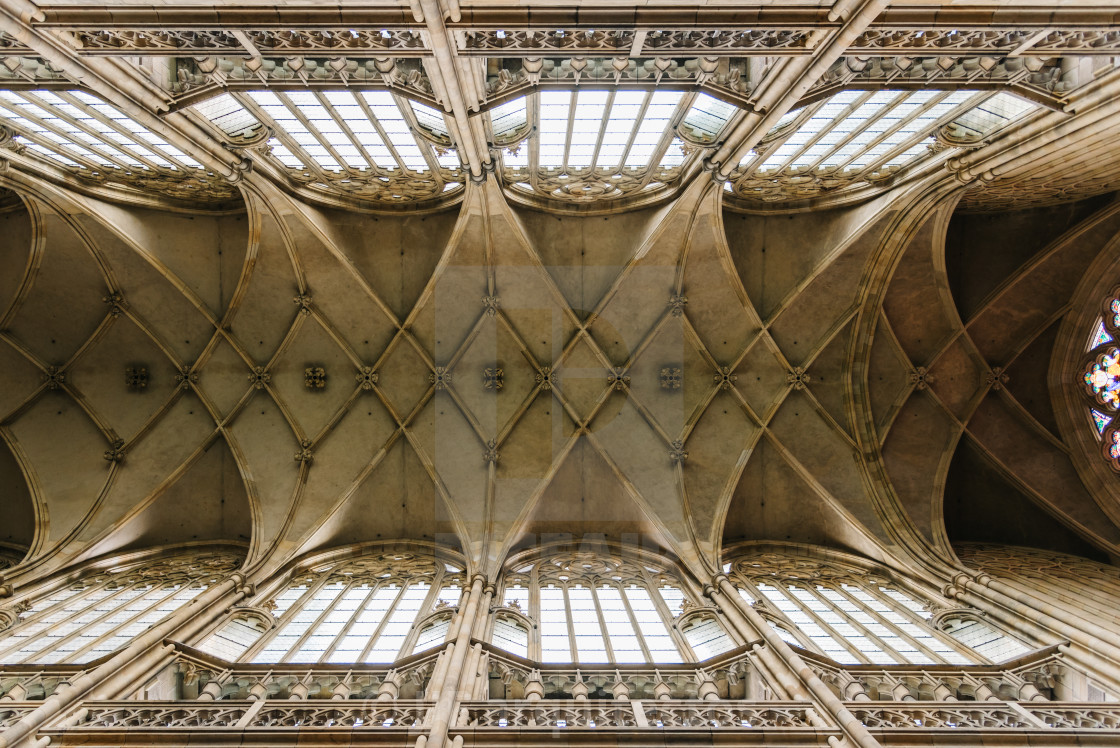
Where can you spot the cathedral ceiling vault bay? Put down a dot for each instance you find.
(721, 343)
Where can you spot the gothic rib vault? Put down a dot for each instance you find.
(791, 366)
(883, 369)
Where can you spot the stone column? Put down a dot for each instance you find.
(457, 653)
(786, 662)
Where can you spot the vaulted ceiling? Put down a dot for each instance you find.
(686, 376)
(886, 370)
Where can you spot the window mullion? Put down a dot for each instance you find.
(572, 103)
(73, 155)
(668, 616)
(763, 151)
(292, 611)
(62, 640)
(847, 112)
(534, 652)
(76, 654)
(426, 608)
(405, 584)
(136, 139)
(354, 140)
(323, 140)
(350, 623)
(37, 617)
(836, 636)
(425, 146)
(634, 619)
(867, 609)
(667, 136)
(384, 137)
(603, 630)
(634, 130)
(571, 624)
(295, 648)
(602, 131)
(281, 134)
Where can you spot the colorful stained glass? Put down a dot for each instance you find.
(1100, 420)
(1114, 450)
(1100, 335)
(1115, 307)
(1103, 378)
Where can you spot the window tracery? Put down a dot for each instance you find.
(593, 608)
(103, 611)
(602, 144)
(368, 144)
(94, 141)
(866, 137)
(1101, 376)
(361, 610)
(853, 616)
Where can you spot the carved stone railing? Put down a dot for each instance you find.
(625, 714)
(1029, 678)
(243, 715)
(201, 676)
(670, 714)
(710, 679)
(1071, 716)
(927, 715)
(987, 715)
(35, 684)
(13, 711)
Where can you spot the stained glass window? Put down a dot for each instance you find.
(1100, 379)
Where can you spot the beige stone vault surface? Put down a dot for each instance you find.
(682, 354)
(682, 376)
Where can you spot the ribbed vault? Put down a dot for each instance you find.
(492, 377)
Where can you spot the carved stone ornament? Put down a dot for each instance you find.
(136, 378)
(618, 379)
(491, 304)
(440, 377)
(798, 378)
(366, 378)
(258, 377)
(304, 300)
(921, 378)
(56, 377)
(677, 303)
(186, 378)
(724, 378)
(315, 378)
(115, 453)
(546, 378)
(677, 452)
(671, 377)
(490, 454)
(304, 454)
(493, 379)
(996, 378)
(115, 300)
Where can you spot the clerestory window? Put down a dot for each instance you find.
(590, 608)
(360, 610)
(106, 610)
(857, 618)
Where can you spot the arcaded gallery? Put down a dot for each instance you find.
(574, 373)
